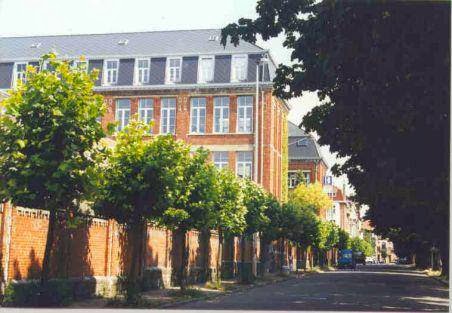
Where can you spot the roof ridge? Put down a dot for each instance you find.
(114, 33)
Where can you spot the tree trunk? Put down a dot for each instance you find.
(45, 273)
(263, 257)
(219, 255)
(242, 259)
(205, 234)
(281, 256)
(303, 257)
(184, 260)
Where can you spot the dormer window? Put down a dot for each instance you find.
(205, 69)
(302, 142)
(173, 70)
(83, 65)
(20, 72)
(111, 72)
(142, 70)
(239, 67)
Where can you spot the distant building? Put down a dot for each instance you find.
(304, 156)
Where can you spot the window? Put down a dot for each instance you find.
(302, 142)
(205, 69)
(221, 159)
(221, 114)
(79, 64)
(122, 113)
(244, 164)
(142, 71)
(331, 214)
(168, 116)
(146, 111)
(20, 73)
(198, 115)
(245, 114)
(111, 72)
(293, 180)
(307, 177)
(239, 67)
(173, 70)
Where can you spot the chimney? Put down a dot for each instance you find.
(343, 192)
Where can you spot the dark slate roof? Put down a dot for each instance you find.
(294, 130)
(301, 152)
(147, 44)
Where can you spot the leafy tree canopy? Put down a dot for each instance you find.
(382, 70)
(312, 196)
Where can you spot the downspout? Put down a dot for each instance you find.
(262, 139)
(256, 130)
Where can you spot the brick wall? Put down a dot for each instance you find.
(93, 248)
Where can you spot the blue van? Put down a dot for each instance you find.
(346, 259)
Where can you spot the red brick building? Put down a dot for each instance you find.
(305, 156)
(187, 83)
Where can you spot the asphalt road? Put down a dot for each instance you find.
(369, 288)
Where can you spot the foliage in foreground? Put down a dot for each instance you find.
(49, 138)
(385, 102)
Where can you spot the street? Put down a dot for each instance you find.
(369, 288)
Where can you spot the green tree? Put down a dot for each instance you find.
(48, 139)
(344, 241)
(230, 210)
(255, 201)
(382, 92)
(304, 228)
(312, 196)
(195, 207)
(361, 245)
(140, 181)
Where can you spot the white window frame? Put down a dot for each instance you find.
(293, 181)
(234, 65)
(106, 70)
(223, 121)
(146, 115)
(307, 176)
(196, 110)
(222, 161)
(23, 73)
(201, 77)
(79, 63)
(165, 107)
(138, 70)
(168, 70)
(120, 114)
(244, 163)
(245, 117)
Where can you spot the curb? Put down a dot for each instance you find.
(442, 281)
(235, 290)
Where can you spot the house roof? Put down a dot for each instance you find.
(152, 43)
(308, 150)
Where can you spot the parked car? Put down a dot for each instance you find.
(346, 259)
(402, 260)
(370, 260)
(360, 258)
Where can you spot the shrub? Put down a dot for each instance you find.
(31, 294)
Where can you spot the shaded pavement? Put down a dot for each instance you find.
(369, 288)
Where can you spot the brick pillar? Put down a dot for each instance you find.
(7, 220)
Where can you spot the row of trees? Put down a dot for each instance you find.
(385, 103)
(52, 157)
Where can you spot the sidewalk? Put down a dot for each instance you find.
(171, 296)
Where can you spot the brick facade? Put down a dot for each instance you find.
(271, 111)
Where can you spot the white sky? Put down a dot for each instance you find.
(52, 17)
